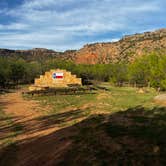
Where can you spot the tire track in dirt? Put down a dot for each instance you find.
(36, 144)
(25, 113)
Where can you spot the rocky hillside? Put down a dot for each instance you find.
(126, 49)
(29, 55)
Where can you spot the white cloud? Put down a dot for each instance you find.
(67, 23)
(37, 41)
(42, 4)
(144, 7)
(14, 26)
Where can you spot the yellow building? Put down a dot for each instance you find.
(54, 79)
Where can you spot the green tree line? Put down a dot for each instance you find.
(149, 70)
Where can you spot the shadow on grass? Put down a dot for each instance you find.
(41, 123)
(9, 89)
(59, 93)
(136, 136)
(4, 91)
(9, 127)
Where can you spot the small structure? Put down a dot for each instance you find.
(55, 79)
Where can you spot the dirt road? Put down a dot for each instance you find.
(37, 142)
(25, 113)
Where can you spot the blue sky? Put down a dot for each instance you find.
(69, 24)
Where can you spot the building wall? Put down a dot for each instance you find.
(47, 79)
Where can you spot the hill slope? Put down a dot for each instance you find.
(36, 54)
(126, 49)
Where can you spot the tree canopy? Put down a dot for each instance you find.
(148, 70)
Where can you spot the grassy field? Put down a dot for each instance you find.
(113, 100)
(118, 126)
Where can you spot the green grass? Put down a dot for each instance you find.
(82, 106)
(122, 98)
(66, 109)
(117, 98)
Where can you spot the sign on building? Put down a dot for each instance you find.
(55, 78)
(57, 75)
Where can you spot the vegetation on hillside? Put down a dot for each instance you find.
(149, 70)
